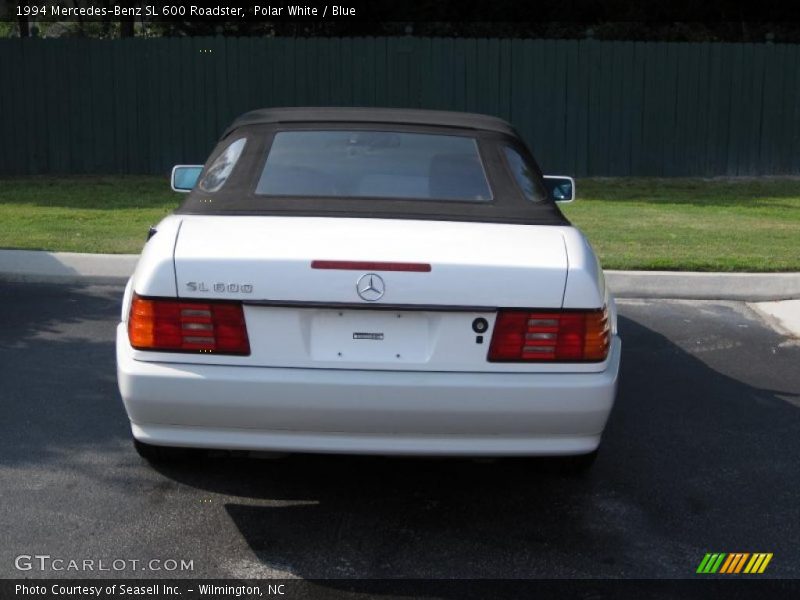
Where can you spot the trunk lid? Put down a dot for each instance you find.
(268, 259)
(436, 320)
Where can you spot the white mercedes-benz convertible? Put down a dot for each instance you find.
(377, 281)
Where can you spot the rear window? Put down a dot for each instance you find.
(374, 164)
(523, 174)
(219, 171)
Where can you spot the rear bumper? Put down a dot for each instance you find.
(369, 412)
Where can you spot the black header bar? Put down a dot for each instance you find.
(417, 11)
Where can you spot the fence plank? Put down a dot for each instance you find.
(586, 107)
(794, 115)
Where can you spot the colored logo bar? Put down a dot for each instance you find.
(734, 563)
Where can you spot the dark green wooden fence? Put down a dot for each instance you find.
(585, 107)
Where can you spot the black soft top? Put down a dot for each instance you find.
(493, 135)
(396, 116)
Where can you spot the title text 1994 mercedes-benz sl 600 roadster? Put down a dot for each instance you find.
(379, 281)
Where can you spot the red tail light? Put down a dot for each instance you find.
(187, 326)
(363, 265)
(556, 336)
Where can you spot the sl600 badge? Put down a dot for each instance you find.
(233, 288)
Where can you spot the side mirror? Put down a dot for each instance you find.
(184, 177)
(560, 188)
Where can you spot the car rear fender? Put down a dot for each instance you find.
(586, 285)
(155, 271)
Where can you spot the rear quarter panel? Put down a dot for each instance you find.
(155, 271)
(586, 284)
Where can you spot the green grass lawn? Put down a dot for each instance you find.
(686, 224)
(82, 214)
(691, 224)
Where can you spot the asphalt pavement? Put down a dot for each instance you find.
(700, 455)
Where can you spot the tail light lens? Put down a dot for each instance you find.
(187, 326)
(566, 336)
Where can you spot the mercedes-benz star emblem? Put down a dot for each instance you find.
(370, 287)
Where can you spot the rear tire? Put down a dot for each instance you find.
(164, 454)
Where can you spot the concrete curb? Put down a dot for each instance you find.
(65, 267)
(750, 287)
(73, 268)
(783, 316)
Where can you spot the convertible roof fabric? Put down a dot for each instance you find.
(509, 204)
(398, 116)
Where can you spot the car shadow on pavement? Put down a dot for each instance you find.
(57, 366)
(692, 461)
